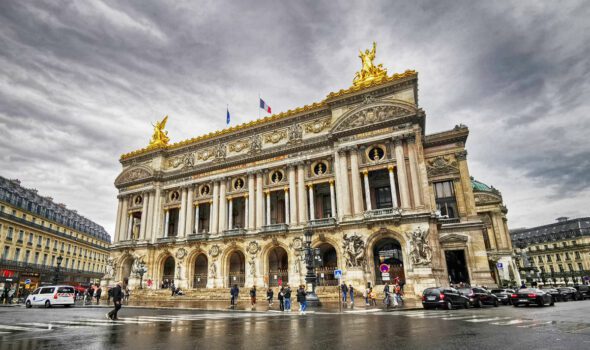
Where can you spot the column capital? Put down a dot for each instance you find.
(397, 141)
(331, 182)
(342, 151)
(461, 155)
(245, 195)
(267, 192)
(390, 167)
(309, 186)
(411, 138)
(365, 172)
(286, 189)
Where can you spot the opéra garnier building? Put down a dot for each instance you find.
(230, 207)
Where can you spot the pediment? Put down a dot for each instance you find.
(486, 198)
(373, 113)
(453, 238)
(133, 174)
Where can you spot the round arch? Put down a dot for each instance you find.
(329, 256)
(366, 115)
(168, 268)
(235, 267)
(277, 266)
(125, 266)
(383, 240)
(199, 268)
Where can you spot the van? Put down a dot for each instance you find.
(49, 296)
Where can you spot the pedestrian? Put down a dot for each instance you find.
(88, 295)
(287, 298)
(127, 294)
(269, 295)
(11, 295)
(351, 293)
(344, 290)
(302, 299)
(366, 295)
(172, 288)
(97, 293)
(234, 292)
(387, 293)
(253, 297)
(117, 298)
(523, 285)
(282, 299)
(109, 295)
(373, 297)
(398, 294)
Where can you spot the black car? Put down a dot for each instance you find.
(531, 296)
(479, 296)
(584, 291)
(569, 293)
(443, 297)
(553, 292)
(503, 295)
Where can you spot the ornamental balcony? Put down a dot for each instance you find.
(234, 232)
(201, 236)
(384, 213)
(170, 239)
(325, 222)
(275, 228)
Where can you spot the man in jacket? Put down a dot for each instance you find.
(344, 290)
(97, 293)
(234, 292)
(302, 299)
(117, 298)
(287, 296)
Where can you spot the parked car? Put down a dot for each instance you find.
(443, 297)
(503, 295)
(530, 296)
(49, 296)
(569, 293)
(480, 296)
(584, 291)
(554, 293)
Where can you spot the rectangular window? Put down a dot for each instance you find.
(540, 259)
(9, 235)
(16, 254)
(546, 247)
(27, 255)
(39, 240)
(570, 267)
(567, 256)
(560, 268)
(543, 269)
(548, 258)
(446, 203)
(31, 237)
(557, 257)
(6, 252)
(21, 235)
(44, 259)
(47, 242)
(577, 254)
(36, 258)
(580, 267)
(52, 260)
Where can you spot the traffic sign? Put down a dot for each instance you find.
(499, 266)
(384, 268)
(27, 281)
(338, 274)
(384, 274)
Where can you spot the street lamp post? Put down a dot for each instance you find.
(310, 277)
(141, 271)
(57, 269)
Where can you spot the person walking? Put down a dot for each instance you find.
(269, 295)
(366, 295)
(287, 298)
(372, 297)
(109, 295)
(117, 299)
(282, 299)
(234, 292)
(173, 289)
(302, 299)
(344, 290)
(351, 293)
(253, 297)
(387, 293)
(97, 294)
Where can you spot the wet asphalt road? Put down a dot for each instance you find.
(565, 326)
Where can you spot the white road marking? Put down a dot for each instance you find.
(487, 319)
(17, 328)
(509, 323)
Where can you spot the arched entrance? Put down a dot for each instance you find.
(237, 269)
(200, 275)
(126, 268)
(329, 263)
(278, 267)
(168, 272)
(387, 252)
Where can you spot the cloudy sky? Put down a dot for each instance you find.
(82, 81)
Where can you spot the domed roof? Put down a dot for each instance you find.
(480, 186)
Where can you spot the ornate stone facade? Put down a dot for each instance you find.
(356, 168)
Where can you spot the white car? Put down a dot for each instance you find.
(51, 295)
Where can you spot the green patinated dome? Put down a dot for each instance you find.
(480, 186)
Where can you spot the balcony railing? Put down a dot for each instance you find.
(198, 236)
(275, 228)
(170, 239)
(383, 213)
(234, 232)
(322, 222)
(443, 220)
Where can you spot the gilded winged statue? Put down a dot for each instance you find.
(369, 71)
(160, 136)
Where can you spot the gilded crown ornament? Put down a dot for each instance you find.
(369, 72)
(160, 136)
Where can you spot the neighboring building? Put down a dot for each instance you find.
(231, 206)
(492, 211)
(35, 232)
(555, 253)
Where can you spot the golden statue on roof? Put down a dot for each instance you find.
(369, 71)
(160, 137)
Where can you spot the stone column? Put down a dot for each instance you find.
(144, 215)
(130, 226)
(392, 186)
(156, 214)
(302, 200)
(215, 209)
(267, 193)
(338, 184)
(211, 217)
(251, 202)
(311, 203)
(287, 221)
(189, 212)
(415, 176)
(196, 225)
(222, 205)
(293, 196)
(230, 214)
(181, 213)
(118, 222)
(123, 224)
(166, 222)
(344, 179)
(247, 209)
(466, 183)
(259, 201)
(357, 196)
(402, 176)
(367, 190)
(332, 199)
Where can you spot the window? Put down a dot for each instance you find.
(548, 258)
(570, 267)
(39, 240)
(52, 260)
(16, 254)
(565, 244)
(546, 247)
(36, 258)
(580, 267)
(445, 198)
(44, 259)
(577, 254)
(543, 269)
(6, 252)
(21, 235)
(47, 242)
(9, 235)
(551, 268)
(557, 257)
(31, 237)
(567, 256)
(27, 255)
(540, 259)
(560, 268)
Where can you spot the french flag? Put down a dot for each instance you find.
(264, 106)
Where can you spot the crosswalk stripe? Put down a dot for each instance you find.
(509, 323)
(486, 319)
(17, 328)
(536, 324)
(452, 318)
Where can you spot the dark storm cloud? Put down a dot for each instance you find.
(82, 81)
